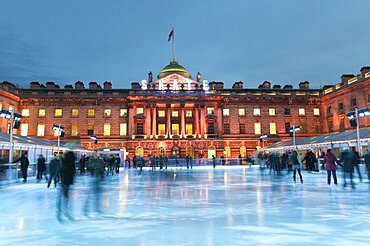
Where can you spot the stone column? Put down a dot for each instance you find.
(182, 120)
(168, 115)
(219, 120)
(154, 125)
(131, 122)
(148, 121)
(202, 120)
(196, 118)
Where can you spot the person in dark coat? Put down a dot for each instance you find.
(54, 171)
(367, 164)
(296, 165)
(82, 163)
(24, 165)
(347, 159)
(356, 161)
(214, 161)
(41, 167)
(68, 171)
(117, 163)
(330, 160)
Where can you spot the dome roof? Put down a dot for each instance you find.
(173, 67)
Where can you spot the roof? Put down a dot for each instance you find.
(174, 67)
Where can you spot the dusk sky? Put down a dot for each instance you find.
(284, 42)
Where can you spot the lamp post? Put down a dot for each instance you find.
(353, 117)
(95, 139)
(292, 130)
(59, 129)
(14, 124)
(262, 137)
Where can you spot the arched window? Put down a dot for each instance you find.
(175, 152)
(243, 151)
(139, 151)
(228, 152)
(211, 152)
(161, 151)
(190, 151)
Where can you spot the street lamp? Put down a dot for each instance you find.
(262, 137)
(95, 139)
(59, 129)
(353, 117)
(14, 119)
(292, 131)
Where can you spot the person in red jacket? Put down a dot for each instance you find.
(330, 160)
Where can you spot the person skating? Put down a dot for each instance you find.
(54, 171)
(41, 168)
(330, 160)
(356, 162)
(296, 165)
(367, 164)
(346, 158)
(24, 165)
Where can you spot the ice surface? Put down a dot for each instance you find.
(203, 206)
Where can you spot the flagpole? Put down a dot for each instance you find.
(173, 44)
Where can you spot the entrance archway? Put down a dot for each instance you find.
(211, 151)
(228, 152)
(139, 151)
(190, 151)
(161, 151)
(175, 152)
(243, 151)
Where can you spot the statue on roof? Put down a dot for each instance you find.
(150, 77)
(199, 77)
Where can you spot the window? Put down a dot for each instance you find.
(210, 110)
(24, 129)
(162, 129)
(353, 103)
(211, 128)
(189, 113)
(91, 112)
(58, 112)
(107, 112)
(340, 108)
(42, 112)
(106, 129)
(301, 111)
(328, 111)
(161, 113)
(341, 125)
(287, 127)
(188, 129)
(368, 98)
(140, 111)
(272, 128)
(256, 112)
(226, 128)
(140, 128)
(226, 112)
(74, 131)
(257, 128)
(241, 128)
(123, 112)
(175, 113)
(272, 111)
(286, 111)
(25, 112)
(40, 130)
(11, 107)
(330, 126)
(123, 129)
(316, 111)
(317, 129)
(1, 105)
(175, 129)
(90, 129)
(241, 112)
(74, 112)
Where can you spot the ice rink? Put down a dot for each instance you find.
(203, 206)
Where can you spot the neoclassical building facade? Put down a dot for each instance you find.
(176, 115)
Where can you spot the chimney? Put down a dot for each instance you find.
(326, 87)
(287, 87)
(50, 85)
(365, 69)
(93, 85)
(238, 85)
(266, 85)
(276, 87)
(304, 85)
(216, 85)
(79, 85)
(135, 86)
(68, 87)
(107, 85)
(35, 85)
(346, 77)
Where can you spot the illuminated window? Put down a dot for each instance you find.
(210, 110)
(106, 129)
(1, 105)
(24, 129)
(74, 112)
(107, 112)
(161, 129)
(25, 112)
(226, 112)
(188, 129)
(90, 129)
(175, 113)
(11, 107)
(140, 111)
(58, 112)
(301, 111)
(272, 111)
(42, 112)
(161, 113)
(257, 128)
(40, 130)
(316, 111)
(175, 129)
(123, 112)
(74, 131)
(189, 113)
(241, 111)
(91, 112)
(256, 112)
(123, 129)
(272, 128)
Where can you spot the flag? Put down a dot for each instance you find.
(170, 35)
